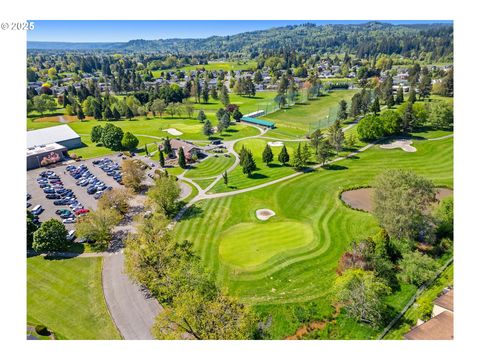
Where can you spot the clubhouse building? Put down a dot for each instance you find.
(50, 145)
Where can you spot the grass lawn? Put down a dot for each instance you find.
(67, 297)
(225, 66)
(204, 183)
(210, 167)
(301, 118)
(147, 130)
(303, 273)
(263, 100)
(238, 180)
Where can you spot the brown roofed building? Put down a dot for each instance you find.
(440, 326)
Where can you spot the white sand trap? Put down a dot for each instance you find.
(405, 145)
(275, 143)
(173, 131)
(264, 214)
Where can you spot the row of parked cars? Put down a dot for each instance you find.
(85, 178)
(111, 168)
(53, 188)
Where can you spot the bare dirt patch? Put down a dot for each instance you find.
(405, 145)
(361, 199)
(64, 119)
(275, 143)
(264, 214)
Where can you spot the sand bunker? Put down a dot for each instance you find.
(405, 145)
(275, 143)
(173, 132)
(264, 214)
(361, 199)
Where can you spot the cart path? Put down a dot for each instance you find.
(132, 311)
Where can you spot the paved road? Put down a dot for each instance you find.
(132, 312)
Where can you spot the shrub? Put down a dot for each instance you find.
(42, 330)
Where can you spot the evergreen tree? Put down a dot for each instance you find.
(108, 115)
(237, 115)
(249, 164)
(283, 157)
(315, 139)
(205, 92)
(243, 155)
(116, 114)
(201, 116)
(336, 137)
(306, 153)
(161, 158)
(412, 96)
(324, 152)
(399, 98)
(390, 101)
(167, 147)
(224, 97)
(80, 114)
(375, 108)
(267, 155)
(225, 120)
(225, 177)
(181, 158)
(342, 110)
(207, 128)
(297, 158)
(129, 113)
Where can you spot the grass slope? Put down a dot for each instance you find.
(302, 118)
(67, 297)
(305, 273)
(210, 167)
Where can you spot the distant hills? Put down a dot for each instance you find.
(364, 39)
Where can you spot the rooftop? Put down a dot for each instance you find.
(37, 150)
(445, 301)
(258, 121)
(50, 135)
(439, 327)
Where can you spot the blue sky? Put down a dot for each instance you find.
(124, 30)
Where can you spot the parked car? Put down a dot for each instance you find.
(52, 196)
(69, 221)
(81, 211)
(71, 235)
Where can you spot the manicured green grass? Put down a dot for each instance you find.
(238, 180)
(67, 297)
(205, 182)
(302, 118)
(225, 66)
(212, 166)
(154, 127)
(263, 100)
(307, 273)
(248, 245)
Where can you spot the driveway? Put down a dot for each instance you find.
(131, 310)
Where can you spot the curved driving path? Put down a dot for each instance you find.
(132, 311)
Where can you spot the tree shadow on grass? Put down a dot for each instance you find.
(231, 131)
(257, 176)
(192, 212)
(273, 166)
(335, 167)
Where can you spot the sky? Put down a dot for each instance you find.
(125, 30)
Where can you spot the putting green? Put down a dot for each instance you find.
(248, 245)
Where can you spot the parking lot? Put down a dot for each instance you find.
(64, 181)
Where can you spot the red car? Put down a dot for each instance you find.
(81, 211)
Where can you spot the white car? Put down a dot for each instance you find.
(69, 221)
(71, 235)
